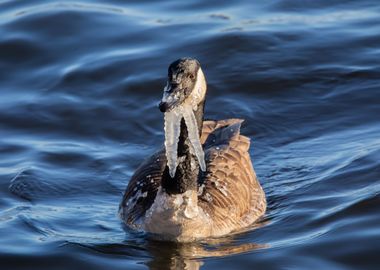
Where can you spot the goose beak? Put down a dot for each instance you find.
(163, 106)
(173, 96)
(166, 106)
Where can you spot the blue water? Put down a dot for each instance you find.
(79, 87)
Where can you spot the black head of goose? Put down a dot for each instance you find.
(202, 183)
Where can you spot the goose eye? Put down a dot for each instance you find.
(191, 76)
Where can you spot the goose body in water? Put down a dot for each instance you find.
(202, 183)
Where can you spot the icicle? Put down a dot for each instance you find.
(172, 132)
(192, 130)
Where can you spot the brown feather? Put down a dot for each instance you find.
(230, 194)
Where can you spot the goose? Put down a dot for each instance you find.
(201, 183)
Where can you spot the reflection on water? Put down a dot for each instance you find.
(79, 86)
(193, 255)
(189, 256)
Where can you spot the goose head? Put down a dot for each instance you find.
(186, 84)
(183, 103)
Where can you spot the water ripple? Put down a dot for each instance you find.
(80, 82)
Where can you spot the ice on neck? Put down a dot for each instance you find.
(172, 132)
(192, 130)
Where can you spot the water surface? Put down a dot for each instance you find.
(79, 86)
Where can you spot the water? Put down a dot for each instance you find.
(80, 83)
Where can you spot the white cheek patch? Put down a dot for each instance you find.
(199, 90)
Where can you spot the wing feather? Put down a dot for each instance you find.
(230, 184)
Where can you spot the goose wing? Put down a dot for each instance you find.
(144, 183)
(142, 188)
(229, 175)
(229, 190)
